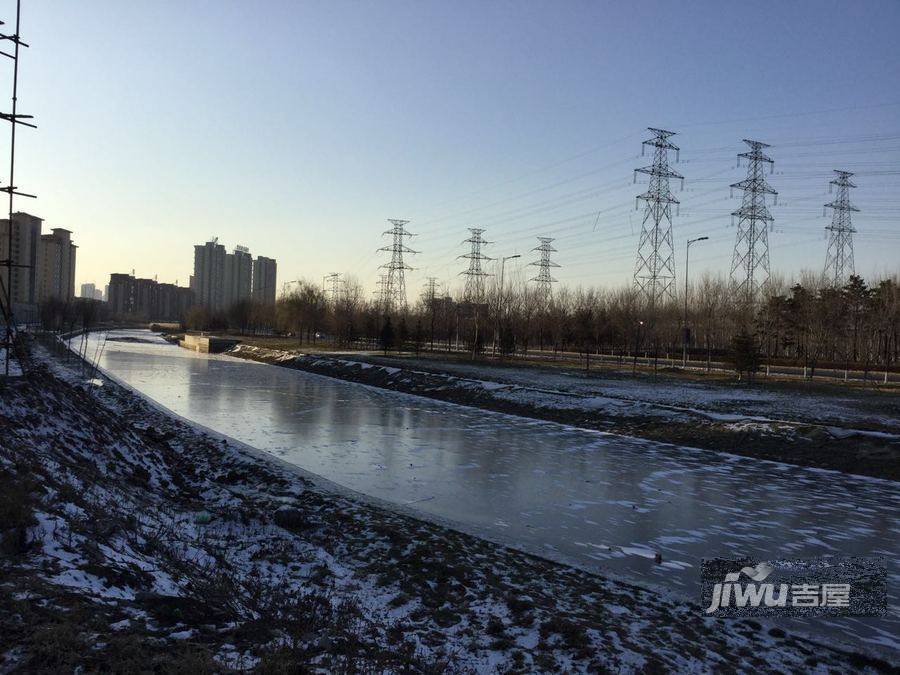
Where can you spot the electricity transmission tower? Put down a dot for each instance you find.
(750, 262)
(333, 287)
(475, 274)
(430, 291)
(839, 259)
(429, 297)
(9, 279)
(543, 279)
(381, 285)
(654, 271)
(395, 291)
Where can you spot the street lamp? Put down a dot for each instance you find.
(500, 300)
(637, 345)
(687, 261)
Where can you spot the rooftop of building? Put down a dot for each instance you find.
(21, 214)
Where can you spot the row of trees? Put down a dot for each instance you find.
(245, 316)
(804, 322)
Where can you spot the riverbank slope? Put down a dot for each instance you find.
(133, 540)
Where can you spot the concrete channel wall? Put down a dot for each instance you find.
(207, 344)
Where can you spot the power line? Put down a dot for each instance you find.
(789, 115)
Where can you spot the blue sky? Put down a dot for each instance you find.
(298, 128)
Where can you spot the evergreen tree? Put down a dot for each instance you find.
(387, 335)
(744, 355)
(403, 334)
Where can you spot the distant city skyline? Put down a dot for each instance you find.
(524, 119)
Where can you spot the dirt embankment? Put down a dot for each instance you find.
(132, 542)
(804, 444)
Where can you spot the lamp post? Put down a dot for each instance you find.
(637, 345)
(687, 261)
(500, 300)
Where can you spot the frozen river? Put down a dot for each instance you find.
(605, 502)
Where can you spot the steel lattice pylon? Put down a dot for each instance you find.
(381, 285)
(429, 293)
(750, 261)
(839, 258)
(654, 271)
(544, 280)
(332, 283)
(394, 296)
(475, 274)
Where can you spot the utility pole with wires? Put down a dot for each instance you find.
(475, 274)
(839, 265)
(395, 291)
(750, 261)
(9, 343)
(654, 271)
(544, 279)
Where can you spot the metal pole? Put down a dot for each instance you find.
(684, 337)
(14, 119)
(12, 168)
(499, 304)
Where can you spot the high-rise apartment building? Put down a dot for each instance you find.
(57, 265)
(23, 281)
(221, 279)
(146, 299)
(120, 294)
(44, 264)
(264, 273)
(238, 276)
(172, 302)
(208, 282)
(91, 292)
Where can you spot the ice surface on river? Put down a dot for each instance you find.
(607, 502)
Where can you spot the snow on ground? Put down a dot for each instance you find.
(537, 485)
(194, 546)
(15, 369)
(841, 410)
